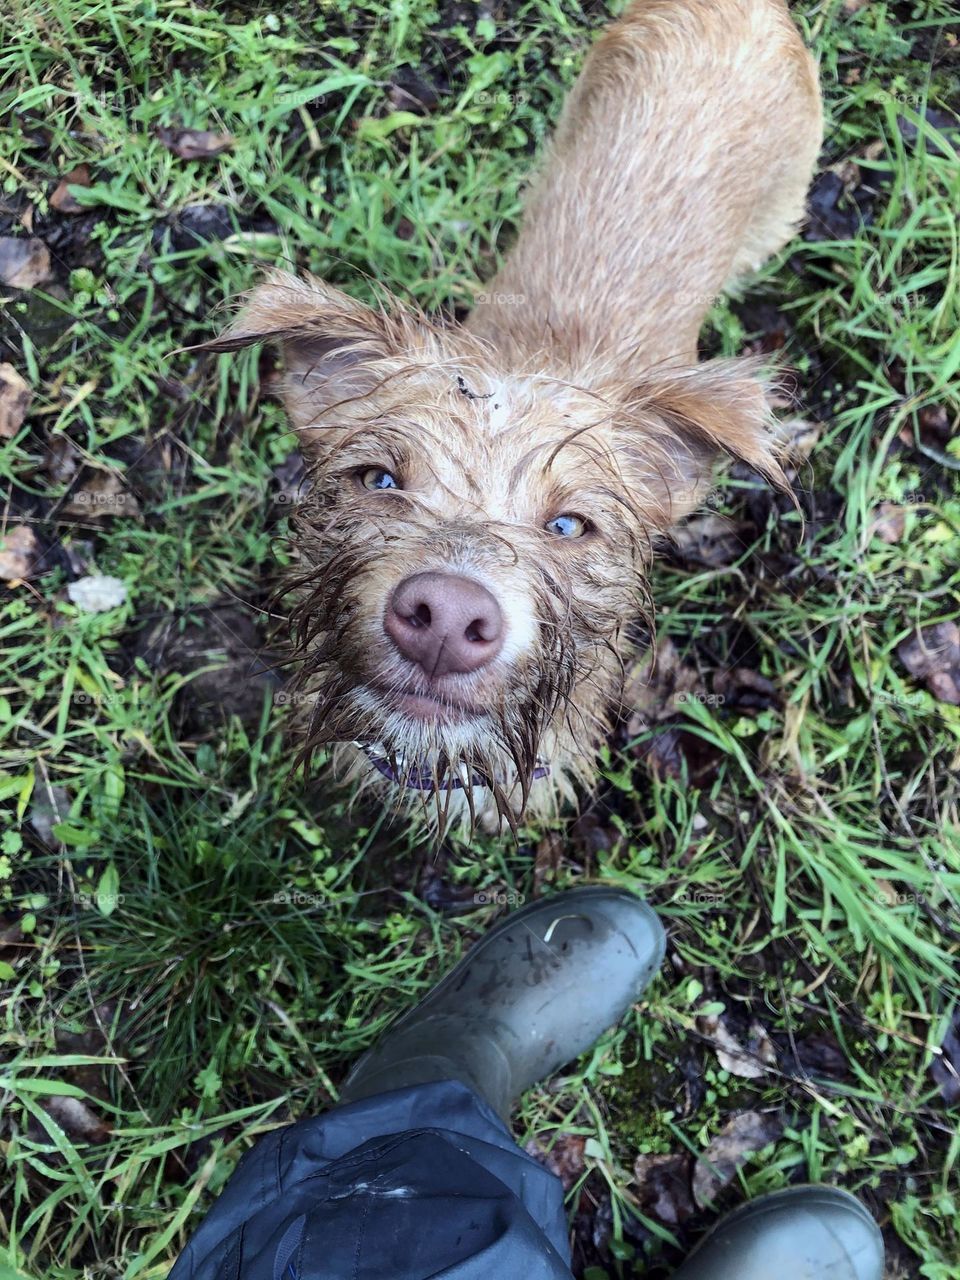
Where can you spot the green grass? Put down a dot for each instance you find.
(202, 943)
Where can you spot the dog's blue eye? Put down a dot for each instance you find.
(377, 478)
(567, 526)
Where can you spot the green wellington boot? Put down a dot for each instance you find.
(802, 1233)
(536, 991)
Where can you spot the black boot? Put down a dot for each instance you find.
(802, 1233)
(534, 993)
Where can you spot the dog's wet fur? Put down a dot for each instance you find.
(544, 448)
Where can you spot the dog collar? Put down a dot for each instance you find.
(420, 780)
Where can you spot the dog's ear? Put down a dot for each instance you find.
(334, 347)
(681, 422)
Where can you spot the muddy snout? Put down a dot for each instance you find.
(445, 623)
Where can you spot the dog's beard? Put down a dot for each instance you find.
(499, 751)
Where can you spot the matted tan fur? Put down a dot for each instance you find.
(680, 161)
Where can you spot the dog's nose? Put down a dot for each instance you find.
(445, 623)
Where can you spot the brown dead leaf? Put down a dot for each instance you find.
(24, 263)
(195, 144)
(675, 753)
(655, 690)
(797, 438)
(62, 461)
(63, 199)
(655, 685)
(564, 1157)
(546, 861)
(933, 656)
(742, 1135)
(932, 429)
(18, 552)
(745, 689)
(819, 1054)
(711, 540)
(663, 1187)
(100, 494)
(15, 397)
(935, 421)
(11, 935)
(751, 1060)
(888, 523)
(76, 1119)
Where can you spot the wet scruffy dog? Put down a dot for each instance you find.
(485, 499)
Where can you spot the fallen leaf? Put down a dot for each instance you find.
(63, 199)
(18, 550)
(656, 683)
(195, 144)
(563, 1157)
(742, 1135)
(655, 690)
(837, 210)
(944, 122)
(24, 263)
(675, 753)
(409, 91)
(820, 1054)
(15, 397)
(101, 493)
(77, 1120)
(97, 593)
(62, 461)
(796, 437)
(933, 656)
(547, 860)
(711, 540)
(750, 1061)
(663, 1187)
(49, 806)
(888, 523)
(745, 690)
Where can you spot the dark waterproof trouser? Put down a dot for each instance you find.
(424, 1181)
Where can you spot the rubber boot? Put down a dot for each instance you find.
(534, 993)
(801, 1233)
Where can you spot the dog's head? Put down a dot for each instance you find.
(476, 538)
